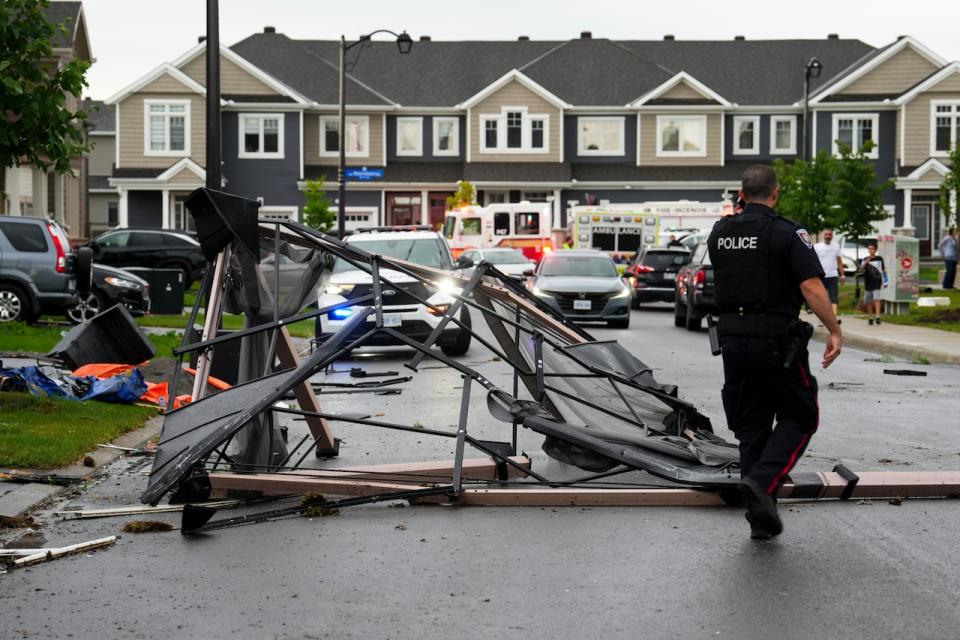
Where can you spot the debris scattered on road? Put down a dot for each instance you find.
(904, 372)
(146, 526)
(89, 462)
(15, 522)
(87, 514)
(895, 501)
(24, 477)
(59, 552)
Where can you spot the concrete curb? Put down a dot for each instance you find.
(882, 346)
(18, 499)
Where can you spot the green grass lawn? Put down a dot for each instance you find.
(302, 329)
(45, 432)
(16, 337)
(944, 318)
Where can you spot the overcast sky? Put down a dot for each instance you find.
(130, 37)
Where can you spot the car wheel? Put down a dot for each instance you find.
(692, 320)
(14, 304)
(462, 344)
(86, 309)
(679, 313)
(619, 324)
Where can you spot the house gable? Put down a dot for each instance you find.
(515, 93)
(931, 175)
(185, 171)
(681, 89)
(894, 76)
(233, 79)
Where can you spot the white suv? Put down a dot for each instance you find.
(401, 311)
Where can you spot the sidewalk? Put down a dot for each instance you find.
(897, 340)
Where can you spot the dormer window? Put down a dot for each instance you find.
(514, 130)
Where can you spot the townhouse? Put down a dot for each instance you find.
(33, 191)
(581, 121)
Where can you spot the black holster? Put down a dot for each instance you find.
(799, 336)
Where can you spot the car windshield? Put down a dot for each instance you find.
(586, 266)
(505, 257)
(659, 260)
(425, 251)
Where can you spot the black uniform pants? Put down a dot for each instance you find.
(759, 390)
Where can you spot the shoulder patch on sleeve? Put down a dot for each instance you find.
(805, 237)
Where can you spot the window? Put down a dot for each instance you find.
(471, 226)
(357, 136)
(446, 136)
(113, 214)
(681, 136)
(528, 223)
(783, 134)
(409, 136)
(261, 135)
(27, 238)
(746, 135)
(501, 223)
(116, 240)
(514, 131)
(600, 136)
(535, 196)
(854, 131)
(166, 130)
(946, 122)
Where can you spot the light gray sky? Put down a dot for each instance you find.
(130, 37)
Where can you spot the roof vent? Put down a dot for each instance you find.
(586, 35)
(523, 38)
(669, 36)
(833, 36)
(739, 38)
(201, 39)
(902, 37)
(269, 29)
(424, 38)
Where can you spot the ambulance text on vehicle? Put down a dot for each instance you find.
(524, 226)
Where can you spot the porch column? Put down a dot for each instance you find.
(907, 207)
(557, 213)
(123, 218)
(12, 185)
(58, 211)
(165, 210)
(39, 191)
(424, 208)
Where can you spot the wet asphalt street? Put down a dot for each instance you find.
(840, 570)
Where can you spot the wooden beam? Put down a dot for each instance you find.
(319, 427)
(281, 484)
(562, 497)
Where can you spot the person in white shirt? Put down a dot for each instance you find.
(832, 263)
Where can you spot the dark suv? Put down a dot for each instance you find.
(151, 248)
(37, 269)
(695, 291)
(654, 271)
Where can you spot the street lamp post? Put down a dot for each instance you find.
(404, 44)
(812, 70)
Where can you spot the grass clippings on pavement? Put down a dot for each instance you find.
(43, 433)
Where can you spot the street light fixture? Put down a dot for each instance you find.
(404, 45)
(812, 70)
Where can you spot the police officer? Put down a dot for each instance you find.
(765, 267)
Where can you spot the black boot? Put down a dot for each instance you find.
(762, 514)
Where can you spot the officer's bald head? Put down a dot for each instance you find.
(759, 184)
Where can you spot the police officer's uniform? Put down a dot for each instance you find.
(759, 260)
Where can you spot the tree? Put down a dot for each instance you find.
(805, 191)
(466, 195)
(37, 127)
(316, 212)
(949, 188)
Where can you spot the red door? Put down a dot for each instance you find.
(438, 206)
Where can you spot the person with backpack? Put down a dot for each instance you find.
(874, 277)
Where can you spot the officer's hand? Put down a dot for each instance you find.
(832, 351)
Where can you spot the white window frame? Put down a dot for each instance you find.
(954, 134)
(661, 119)
(350, 154)
(525, 128)
(147, 151)
(755, 149)
(792, 149)
(419, 150)
(581, 148)
(278, 212)
(856, 117)
(241, 118)
(454, 149)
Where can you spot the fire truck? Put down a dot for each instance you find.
(525, 226)
(624, 229)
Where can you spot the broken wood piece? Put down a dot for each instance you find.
(59, 552)
(565, 497)
(319, 427)
(86, 514)
(272, 484)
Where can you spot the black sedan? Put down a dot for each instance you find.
(654, 272)
(111, 286)
(151, 248)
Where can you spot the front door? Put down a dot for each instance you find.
(920, 217)
(438, 206)
(182, 220)
(403, 208)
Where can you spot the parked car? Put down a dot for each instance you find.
(38, 269)
(654, 273)
(152, 248)
(694, 296)
(583, 285)
(109, 287)
(510, 261)
(401, 311)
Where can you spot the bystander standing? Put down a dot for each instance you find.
(874, 273)
(829, 254)
(948, 251)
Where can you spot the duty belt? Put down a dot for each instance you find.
(760, 325)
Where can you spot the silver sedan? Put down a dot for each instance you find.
(583, 286)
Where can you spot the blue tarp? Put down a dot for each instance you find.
(124, 388)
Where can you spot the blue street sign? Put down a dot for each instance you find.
(363, 174)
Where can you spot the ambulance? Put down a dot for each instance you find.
(525, 226)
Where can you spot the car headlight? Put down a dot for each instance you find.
(338, 289)
(448, 287)
(624, 292)
(537, 291)
(121, 283)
